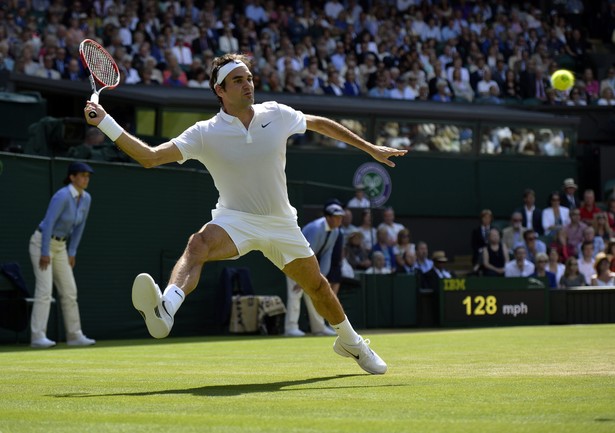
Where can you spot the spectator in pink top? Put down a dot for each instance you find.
(592, 86)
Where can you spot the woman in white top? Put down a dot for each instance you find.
(367, 229)
(554, 264)
(462, 88)
(555, 216)
(603, 275)
(379, 264)
(607, 97)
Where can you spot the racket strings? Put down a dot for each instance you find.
(100, 65)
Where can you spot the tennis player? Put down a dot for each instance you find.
(253, 210)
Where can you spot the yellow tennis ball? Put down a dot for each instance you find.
(562, 79)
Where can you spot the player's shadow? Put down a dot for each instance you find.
(237, 389)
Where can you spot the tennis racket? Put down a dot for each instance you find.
(102, 67)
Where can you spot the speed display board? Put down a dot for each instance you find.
(493, 301)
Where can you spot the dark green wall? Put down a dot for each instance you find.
(429, 185)
(141, 219)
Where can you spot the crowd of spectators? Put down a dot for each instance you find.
(570, 242)
(461, 51)
(464, 50)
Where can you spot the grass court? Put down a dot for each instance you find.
(520, 379)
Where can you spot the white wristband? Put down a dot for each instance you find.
(110, 128)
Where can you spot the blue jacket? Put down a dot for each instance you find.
(550, 279)
(316, 233)
(65, 219)
(389, 256)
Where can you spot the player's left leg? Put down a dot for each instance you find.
(306, 272)
(317, 322)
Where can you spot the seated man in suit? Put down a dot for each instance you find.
(532, 215)
(513, 234)
(533, 245)
(569, 194)
(431, 279)
(480, 237)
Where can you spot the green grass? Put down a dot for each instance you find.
(523, 379)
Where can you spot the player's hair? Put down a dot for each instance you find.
(217, 63)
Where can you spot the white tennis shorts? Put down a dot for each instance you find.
(279, 239)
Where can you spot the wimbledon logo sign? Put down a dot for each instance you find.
(376, 180)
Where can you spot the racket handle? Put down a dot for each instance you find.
(94, 99)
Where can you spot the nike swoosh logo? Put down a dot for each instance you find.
(178, 294)
(265, 125)
(165, 309)
(345, 350)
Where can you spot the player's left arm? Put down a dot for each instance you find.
(337, 131)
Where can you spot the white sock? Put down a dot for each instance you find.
(174, 296)
(346, 332)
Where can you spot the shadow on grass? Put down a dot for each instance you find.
(148, 341)
(234, 390)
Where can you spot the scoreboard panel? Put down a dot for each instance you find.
(493, 301)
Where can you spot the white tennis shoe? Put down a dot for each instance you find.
(327, 331)
(360, 352)
(147, 299)
(82, 340)
(42, 343)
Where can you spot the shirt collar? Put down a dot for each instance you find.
(229, 118)
(73, 191)
(327, 226)
(226, 117)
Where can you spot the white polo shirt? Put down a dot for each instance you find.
(247, 165)
(512, 269)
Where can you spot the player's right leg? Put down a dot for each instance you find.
(158, 309)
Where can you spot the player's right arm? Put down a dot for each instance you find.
(138, 150)
(145, 155)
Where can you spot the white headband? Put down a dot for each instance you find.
(226, 69)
